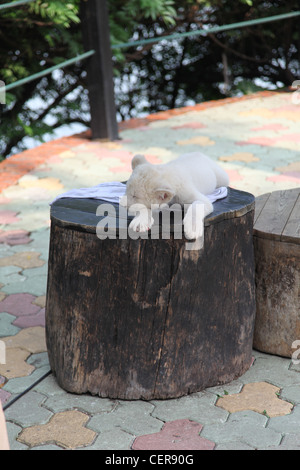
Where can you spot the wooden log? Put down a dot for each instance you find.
(147, 318)
(277, 272)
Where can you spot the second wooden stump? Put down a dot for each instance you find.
(145, 319)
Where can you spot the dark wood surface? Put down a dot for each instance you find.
(80, 214)
(277, 216)
(277, 271)
(147, 318)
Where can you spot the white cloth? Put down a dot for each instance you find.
(112, 192)
(218, 193)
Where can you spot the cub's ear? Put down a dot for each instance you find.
(138, 160)
(164, 195)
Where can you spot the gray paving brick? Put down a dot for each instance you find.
(291, 393)
(132, 417)
(112, 440)
(288, 424)
(273, 369)
(85, 403)
(13, 430)
(234, 446)
(28, 411)
(196, 407)
(49, 387)
(245, 427)
(19, 384)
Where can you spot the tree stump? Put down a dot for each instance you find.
(148, 318)
(277, 261)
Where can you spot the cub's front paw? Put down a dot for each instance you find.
(193, 225)
(141, 224)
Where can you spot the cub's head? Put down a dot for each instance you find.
(145, 185)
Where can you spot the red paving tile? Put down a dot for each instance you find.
(181, 434)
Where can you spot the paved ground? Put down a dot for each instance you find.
(257, 141)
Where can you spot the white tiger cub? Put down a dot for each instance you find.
(186, 181)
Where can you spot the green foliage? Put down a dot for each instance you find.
(59, 12)
(148, 78)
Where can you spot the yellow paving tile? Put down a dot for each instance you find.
(261, 397)
(67, 154)
(16, 365)
(65, 429)
(31, 339)
(25, 260)
(294, 166)
(240, 157)
(40, 301)
(199, 140)
(30, 181)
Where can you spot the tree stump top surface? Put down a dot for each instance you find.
(81, 214)
(277, 216)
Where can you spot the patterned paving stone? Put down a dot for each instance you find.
(112, 440)
(18, 385)
(27, 411)
(40, 301)
(10, 273)
(125, 417)
(16, 365)
(4, 396)
(201, 140)
(14, 237)
(175, 435)
(273, 369)
(8, 217)
(29, 181)
(31, 339)
(291, 393)
(239, 156)
(246, 427)
(36, 285)
(24, 260)
(28, 321)
(291, 167)
(87, 403)
(270, 127)
(13, 430)
(197, 407)
(289, 424)
(50, 388)
(234, 445)
(6, 325)
(19, 305)
(289, 442)
(40, 361)
(259, 396)
(66, 429)
(190, 125)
